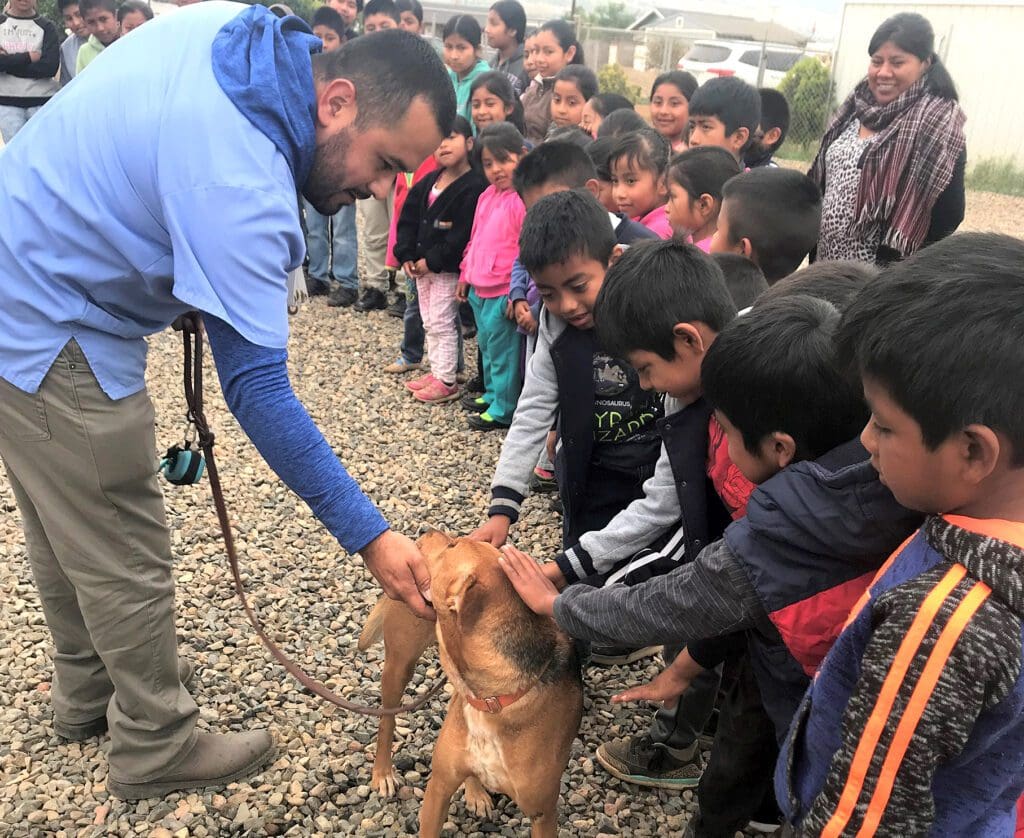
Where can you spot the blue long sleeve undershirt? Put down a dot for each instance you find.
(254, 380)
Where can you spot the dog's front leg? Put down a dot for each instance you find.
(447, 772)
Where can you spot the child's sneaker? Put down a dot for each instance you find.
(400, 365)
(475, 385)
(543, 481)
(485, 422)
(436, 391)
(473, 402)
(640, 761)
(419, 383)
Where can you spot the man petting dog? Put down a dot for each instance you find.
(163, 181)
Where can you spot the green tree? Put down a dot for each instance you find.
(611, 15)
(611, 79)
(808, 89)
(49, 10)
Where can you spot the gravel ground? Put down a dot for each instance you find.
(422, 467)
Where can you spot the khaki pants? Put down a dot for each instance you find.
(375, 217)
(83, 470)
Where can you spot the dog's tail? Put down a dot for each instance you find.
(373, 631)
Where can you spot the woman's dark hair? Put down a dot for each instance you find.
(502, 140)
(703, 170)
(513, 15)
(583, 77)
(646, 149)
(684, 82)
(461, 126)
(565, 34)
(466, 27)
(501, 86)
(621, 122)
(607, 103)
(913, 33)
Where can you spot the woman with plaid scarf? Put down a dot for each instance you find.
(891, 163)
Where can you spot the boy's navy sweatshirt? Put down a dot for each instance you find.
(788, 573)
(438, 232)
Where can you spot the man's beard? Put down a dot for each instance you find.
(324, 186)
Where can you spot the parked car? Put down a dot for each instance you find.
(707, 59)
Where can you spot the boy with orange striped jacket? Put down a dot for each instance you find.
(915, 722)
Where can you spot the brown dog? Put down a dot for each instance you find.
(518, 696)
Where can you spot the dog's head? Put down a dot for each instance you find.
(480, 618)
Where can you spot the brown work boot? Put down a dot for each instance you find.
(215, 760)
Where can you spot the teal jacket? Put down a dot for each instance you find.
(462, 87)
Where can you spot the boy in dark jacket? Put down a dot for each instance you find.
(915, 722)
(787, 573)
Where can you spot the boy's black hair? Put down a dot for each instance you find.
(86, 5)
(466, 27)
(565, 164)
(598, 151)
(414, 6)
(501, 139)
(731, 100)
(682, 81)
(607, 103)
(326, 16)
(129, 6)
(654, 286)
(941, 332)
(838, 283)
(776, 369)
(513, 15)
(572, 134)
(621, 122)
(382, 7)
(584, 78)
(742, 277)
(563, 225)
(774, 114)
(646, 149)
(703, 170)
(389, 70)
(779, 211)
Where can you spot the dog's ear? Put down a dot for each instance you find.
(433, 541)
(464, 599)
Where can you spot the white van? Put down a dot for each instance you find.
(708, 59)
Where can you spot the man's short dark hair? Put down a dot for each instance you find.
(382, 7)
(779, 211)
(389, 69)
(742, 277)
(561, 226)
(941, 332)
(774, 114)
(838, 283)
(776, 369)
(731, 100)
(654, 286)
(554, 162)
(329, 17)
(88, 5)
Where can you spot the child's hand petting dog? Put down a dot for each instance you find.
(673, 681)
(530, 582)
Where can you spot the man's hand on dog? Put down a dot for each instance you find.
(400, 568)
(529, 580)
(494, 532)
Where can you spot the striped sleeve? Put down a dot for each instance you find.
(939, 654)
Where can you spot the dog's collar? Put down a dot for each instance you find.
(494, 704)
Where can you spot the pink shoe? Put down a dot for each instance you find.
(420, 383)
(437, 392)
